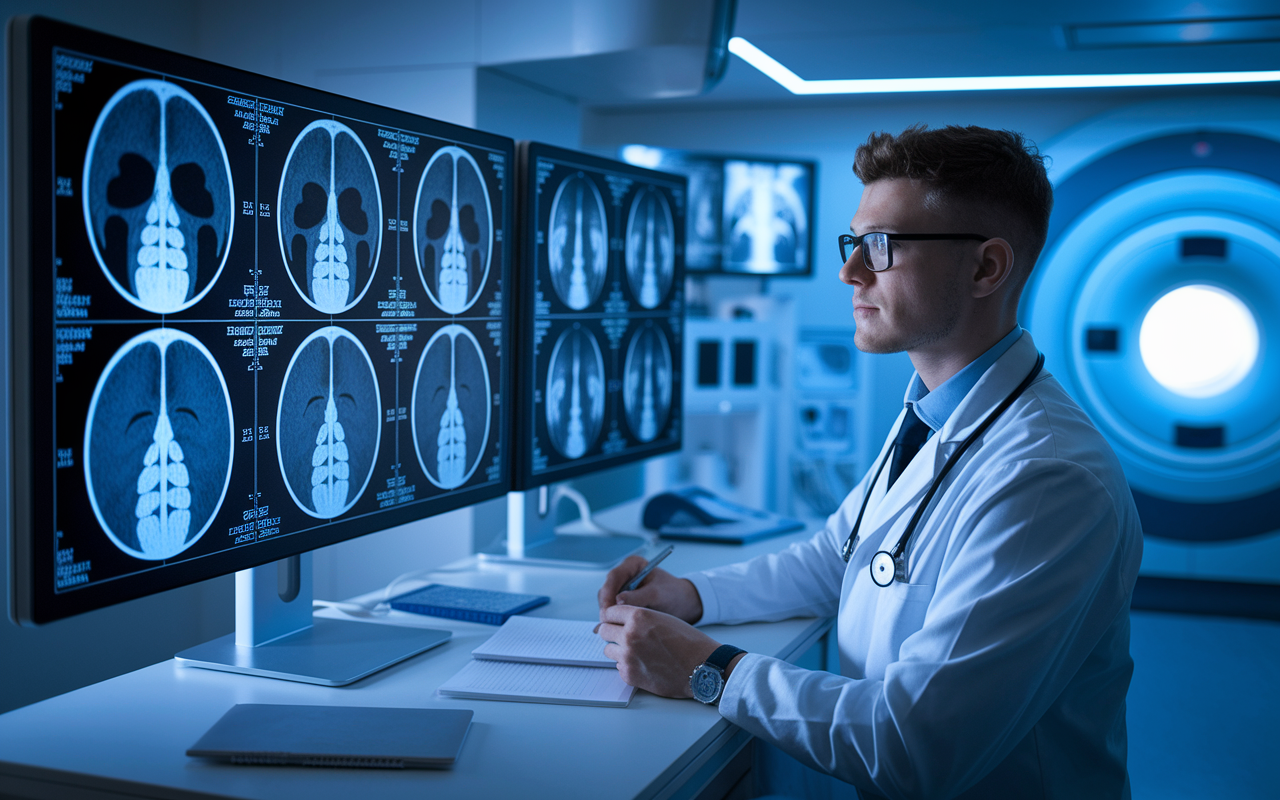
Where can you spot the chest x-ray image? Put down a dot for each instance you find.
(157, 196)
(646, 384)
(327, 423)
(452, 407)
(453, 230)
(651, 252)
(328, 215)
(578, 242)
(574, 394)
(765, 219)
(157, 447)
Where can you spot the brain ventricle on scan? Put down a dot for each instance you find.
(453, 229)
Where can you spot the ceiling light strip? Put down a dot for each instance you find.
(797, 85)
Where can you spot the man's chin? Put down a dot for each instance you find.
(869, 343)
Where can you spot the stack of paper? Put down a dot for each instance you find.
(540, 660)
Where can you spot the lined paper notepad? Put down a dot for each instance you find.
(539, 640)
(538, 683)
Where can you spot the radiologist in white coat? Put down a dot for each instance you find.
(997, 665)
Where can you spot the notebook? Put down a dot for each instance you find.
(336, 736)
(540, 640)
(538, 683)
(470, 605)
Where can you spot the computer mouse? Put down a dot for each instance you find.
(683, 507)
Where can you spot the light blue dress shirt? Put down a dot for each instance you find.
(935, 408)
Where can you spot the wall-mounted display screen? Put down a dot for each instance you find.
(747, 215)
(250, 318)
(601, 311)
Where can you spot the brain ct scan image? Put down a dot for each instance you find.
(451, 407)
(574, 394)
(578, 242)
(157, 446)
(327, 423)
(765, 219)
(651, 252)
(646, 383)
(453, 230)
(328, 215)
(157, 196)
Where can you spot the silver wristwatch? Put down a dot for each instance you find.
(707, 681)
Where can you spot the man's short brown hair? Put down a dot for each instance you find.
(970, 167)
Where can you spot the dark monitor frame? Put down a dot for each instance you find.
(527, 155)
(31, 324)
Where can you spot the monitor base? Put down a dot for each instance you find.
(569, 550)
(329, 653)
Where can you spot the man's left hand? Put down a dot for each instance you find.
(655, 651)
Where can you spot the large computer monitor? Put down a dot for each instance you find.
(599, 313)
(248, 319)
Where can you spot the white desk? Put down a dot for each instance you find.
(127, 737)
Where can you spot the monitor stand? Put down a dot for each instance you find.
(276, 636)
(532, 538)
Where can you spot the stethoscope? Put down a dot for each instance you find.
(888, 566)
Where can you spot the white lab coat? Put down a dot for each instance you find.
(999, 670)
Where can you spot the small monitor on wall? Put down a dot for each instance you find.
(747, 215)
(600, 311)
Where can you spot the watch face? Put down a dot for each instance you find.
(706, 683)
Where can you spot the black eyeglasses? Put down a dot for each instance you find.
(878, 255)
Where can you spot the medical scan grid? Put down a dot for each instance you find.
(251, 331)
(603, 309)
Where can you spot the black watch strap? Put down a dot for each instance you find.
(722, 656)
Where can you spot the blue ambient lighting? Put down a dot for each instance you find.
(797, 85)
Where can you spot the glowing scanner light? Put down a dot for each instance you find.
(797, 85)
(1198, 341)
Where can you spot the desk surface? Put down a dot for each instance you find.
(128, 736)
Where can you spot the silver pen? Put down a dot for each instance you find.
(644, 573)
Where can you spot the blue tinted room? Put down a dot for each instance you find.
(367, 360)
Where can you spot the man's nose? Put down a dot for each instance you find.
(854, 271)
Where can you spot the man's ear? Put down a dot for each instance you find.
(994, 268)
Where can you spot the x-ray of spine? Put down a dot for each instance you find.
(574, 395)
(157, 196)
(328, 215)
(452, 407)
(651, 252)
(765, 217)
(327, 423)
(646, 383)
(453, 230)
(578, 242)
(157, 444)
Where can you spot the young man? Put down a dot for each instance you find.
(987, 654)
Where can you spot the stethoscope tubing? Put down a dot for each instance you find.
(888, 566)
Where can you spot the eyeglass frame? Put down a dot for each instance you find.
(856, 241)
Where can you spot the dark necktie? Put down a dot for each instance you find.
(911, 437)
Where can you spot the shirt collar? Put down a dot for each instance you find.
(935, 408)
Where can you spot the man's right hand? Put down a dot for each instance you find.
(661, 591)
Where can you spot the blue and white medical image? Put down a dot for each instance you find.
(578, 242)
(766, 219)
(157, 445)
(646, 382)
(328, 215)
(452, 407)
(574, 394)
(157, 196)
(651, 250)
(453, 230)
(327, 423)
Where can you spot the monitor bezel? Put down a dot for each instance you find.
(33, 600)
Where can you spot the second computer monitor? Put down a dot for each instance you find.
(600, 313)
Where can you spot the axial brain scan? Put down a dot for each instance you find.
(327, 424)
(646, 385)
(328, 216)
(157, 196)
(453, 229)
(578, 245)
(650, 249)
(574, 393)
(451, 407)
(765, 219)
(157, 450)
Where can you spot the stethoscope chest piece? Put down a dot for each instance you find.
(882, 568)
